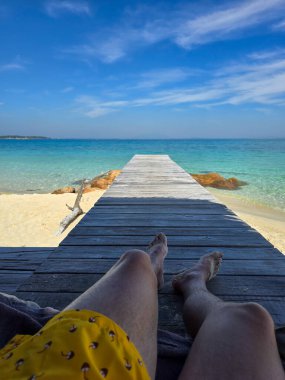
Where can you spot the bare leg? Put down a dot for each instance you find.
(128, 295)
(232, 341)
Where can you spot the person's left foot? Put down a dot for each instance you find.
(157, 250)
(206, 269)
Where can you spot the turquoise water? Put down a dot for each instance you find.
(41, 166)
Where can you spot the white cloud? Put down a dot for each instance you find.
(157, 78)
(67, 89)
(182, 27)
(223, 23)
(259, 82)
(279, 26)
(56, 8)
(92, 107)
(12, 66)
(266, 54)
(174, 97)
(108, 49)
(18, 64)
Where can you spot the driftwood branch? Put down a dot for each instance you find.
(76, 210)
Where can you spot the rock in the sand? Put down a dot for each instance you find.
(63, 190)
(101, 183)
(105, 181)
(218, 181)
(113, 174)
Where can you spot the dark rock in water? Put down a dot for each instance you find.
(217, 181)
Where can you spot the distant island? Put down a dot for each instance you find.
(16, 137)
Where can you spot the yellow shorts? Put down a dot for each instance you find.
(81, 345)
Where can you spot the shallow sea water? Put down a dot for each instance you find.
(40, 166)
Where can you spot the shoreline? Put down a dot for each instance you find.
(31, 220)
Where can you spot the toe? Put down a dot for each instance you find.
(158, 239)
(162, 238)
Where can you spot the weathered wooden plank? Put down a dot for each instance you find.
(223, 285)
(238, 240)
(171, 217)
(114, 252)
(156, 221)
(194, 191)
(29, 257)
(154, 183)
(152, 231)
(188, 193)
(166, 187)
(241, 285)
(187, 186)
(160, 209)
(13, 273)
(230, 267)
(26, 250)
(10, 280)
(19, 265)
(127, 200)
(59, 282)
(142, 182)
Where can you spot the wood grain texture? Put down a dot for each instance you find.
(114, 252)
(237, 240)
(230, 267)
(18, 264)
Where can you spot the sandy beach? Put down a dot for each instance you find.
(31, 220)
(269, 222)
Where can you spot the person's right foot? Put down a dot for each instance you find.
(157, 250)
(206, 269)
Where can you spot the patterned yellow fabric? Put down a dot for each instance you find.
(74, 344)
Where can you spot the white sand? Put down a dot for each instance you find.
(31, 220)
(268, 222)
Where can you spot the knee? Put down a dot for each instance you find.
(252, 314)
(136, 258)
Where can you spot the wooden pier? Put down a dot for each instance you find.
(153, 194)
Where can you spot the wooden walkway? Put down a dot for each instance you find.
(18, 264)
(153, 194)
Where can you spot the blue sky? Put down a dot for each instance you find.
(142, 69)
